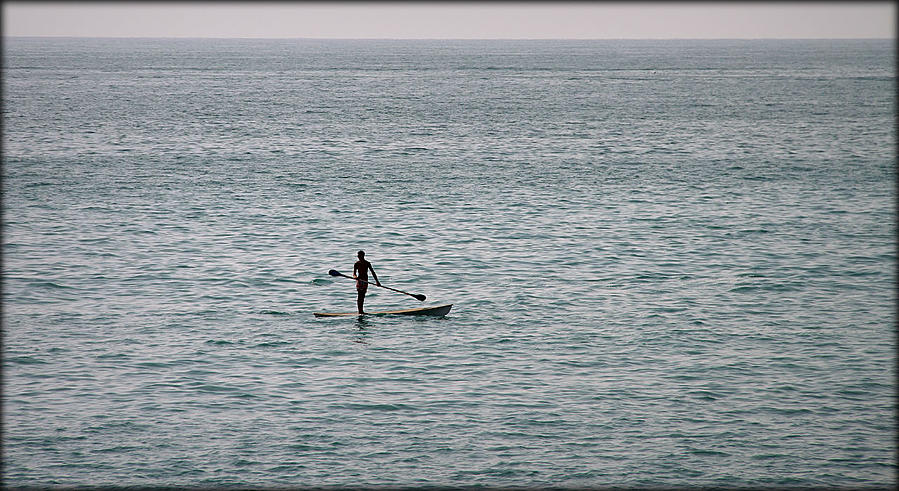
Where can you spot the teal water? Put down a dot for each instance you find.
(671, 263)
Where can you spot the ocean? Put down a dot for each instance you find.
(671, 263)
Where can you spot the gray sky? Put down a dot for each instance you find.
(455, 20)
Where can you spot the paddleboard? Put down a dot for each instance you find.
(438, 311)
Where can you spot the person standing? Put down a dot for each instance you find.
(360, 273)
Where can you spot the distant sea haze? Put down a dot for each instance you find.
(671, 263)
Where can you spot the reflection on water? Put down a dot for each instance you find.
(361, 324)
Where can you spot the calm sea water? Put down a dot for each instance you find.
(671, 263)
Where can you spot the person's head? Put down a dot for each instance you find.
(361, 254)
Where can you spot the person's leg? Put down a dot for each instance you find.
(360, 300)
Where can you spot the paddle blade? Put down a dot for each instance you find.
(334, 272)
(419, 297)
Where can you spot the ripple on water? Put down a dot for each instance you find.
(675, 301)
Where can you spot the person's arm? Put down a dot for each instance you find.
(377, 282)
(355, 270)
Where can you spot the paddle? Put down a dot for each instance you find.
(417, 296)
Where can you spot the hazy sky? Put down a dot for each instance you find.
(459, 20)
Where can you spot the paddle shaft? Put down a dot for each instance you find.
(417, 297)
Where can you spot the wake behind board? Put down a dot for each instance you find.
(437, 311)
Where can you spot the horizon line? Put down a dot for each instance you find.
(298, 38)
